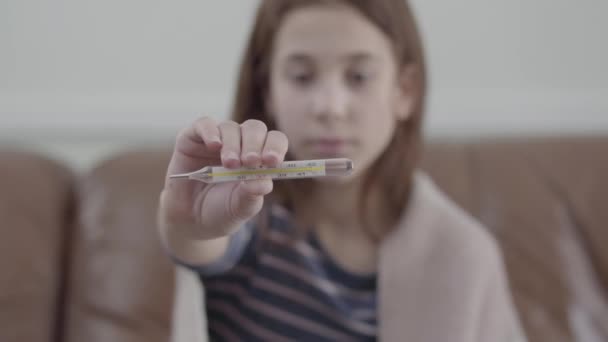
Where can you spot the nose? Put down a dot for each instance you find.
(330, 101)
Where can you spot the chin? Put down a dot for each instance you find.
(339, 180)
(358, 170)
(314, 155)
(327, 151)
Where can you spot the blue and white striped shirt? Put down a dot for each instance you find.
(281, 290)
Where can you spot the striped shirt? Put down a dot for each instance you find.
(283, 291)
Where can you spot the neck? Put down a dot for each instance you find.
(337, 204)
(339, 228)
(334, 204)
(337, 207)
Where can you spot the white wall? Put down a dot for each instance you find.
(75, 65)
(517, 66)
(81, 78)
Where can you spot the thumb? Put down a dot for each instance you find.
(248, 198)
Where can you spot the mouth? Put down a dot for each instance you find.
(330, 146)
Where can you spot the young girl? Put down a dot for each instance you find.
(379, 254)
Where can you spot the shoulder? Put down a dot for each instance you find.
(442, 253)
(459, 231)
(441, 231)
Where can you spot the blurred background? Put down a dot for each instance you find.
(82, 79)
(517, 111)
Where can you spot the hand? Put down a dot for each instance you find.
(216, 210)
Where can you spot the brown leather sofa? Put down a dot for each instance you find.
(81, 261)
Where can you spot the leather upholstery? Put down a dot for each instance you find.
(544, 199)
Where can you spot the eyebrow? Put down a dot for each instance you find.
(352, 57)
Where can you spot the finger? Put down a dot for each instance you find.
(253, 135)
(275, 148)
(230, 133)
(196, 145)
(206, 128)
(198, 139)
(249, 198)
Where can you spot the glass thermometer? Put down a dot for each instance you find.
(286, 170)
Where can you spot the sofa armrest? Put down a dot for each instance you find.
(36, 204)
(121, 282)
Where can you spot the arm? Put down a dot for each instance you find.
(197, 221)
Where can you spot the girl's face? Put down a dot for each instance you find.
(335, 88)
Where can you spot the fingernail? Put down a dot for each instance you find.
(214, 143)
(271, 157)
(251, 156)
(230, 156)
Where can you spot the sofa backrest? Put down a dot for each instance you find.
(544, 200)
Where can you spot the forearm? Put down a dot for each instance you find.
(180, 244)
(188, 241)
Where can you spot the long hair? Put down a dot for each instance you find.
(393, 170)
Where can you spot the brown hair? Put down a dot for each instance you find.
(394, 169)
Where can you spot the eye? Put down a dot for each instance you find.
(357, 78)
(301, 78)
(300, 75)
